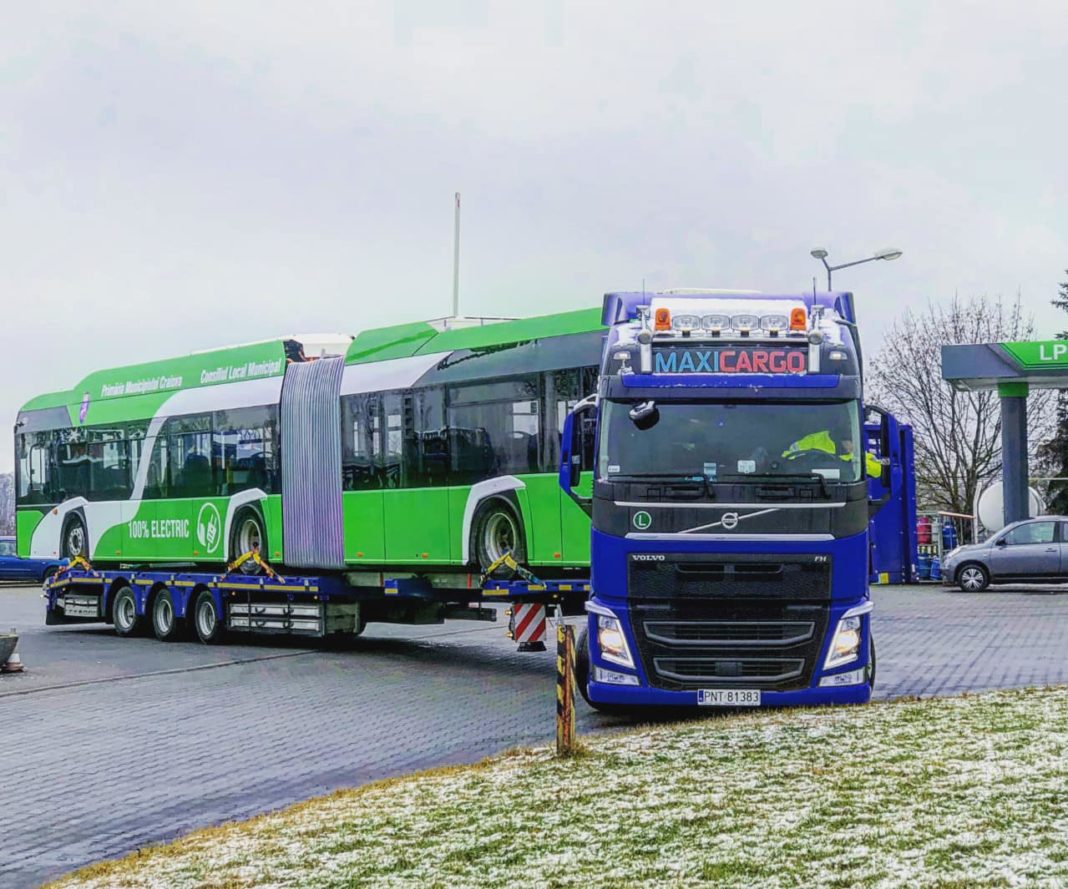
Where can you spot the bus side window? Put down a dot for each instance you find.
(190, 465)
(426, 442)
(109, 466)
(40, 481)
(361, 451)
(243, 449)
(393, 440)
(157, 486)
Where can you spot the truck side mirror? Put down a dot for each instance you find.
(571, 453)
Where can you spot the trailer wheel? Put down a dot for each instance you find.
(124, 612)
(209, 626)
(498, 530)
(165, 622)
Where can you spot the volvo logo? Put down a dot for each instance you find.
(729, 520)
(648, 557)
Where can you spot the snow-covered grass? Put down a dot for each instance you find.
(969, 791)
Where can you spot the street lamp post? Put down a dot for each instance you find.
(821, 254)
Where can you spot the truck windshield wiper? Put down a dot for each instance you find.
(817, 477)
(656, 477)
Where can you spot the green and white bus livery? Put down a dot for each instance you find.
(429, 444)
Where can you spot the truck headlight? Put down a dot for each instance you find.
(612, 642)
(845, 646)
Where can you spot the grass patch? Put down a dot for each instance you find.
(969, 791)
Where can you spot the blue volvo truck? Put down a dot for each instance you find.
(730, 502)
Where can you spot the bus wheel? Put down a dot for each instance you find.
(248, 534)
(498, 531)
(75, 538)
(124, 612)
(210, 629)
(165, 623)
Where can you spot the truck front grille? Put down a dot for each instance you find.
(748, 576)
(765, 644)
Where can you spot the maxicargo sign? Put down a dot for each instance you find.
(733, 360)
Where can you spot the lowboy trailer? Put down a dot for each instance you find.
(180, 602)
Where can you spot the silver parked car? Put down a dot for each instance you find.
(1031, 551)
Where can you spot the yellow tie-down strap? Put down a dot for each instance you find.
(254, 556)
(508, 561)
(79, 562)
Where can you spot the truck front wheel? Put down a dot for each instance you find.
(871, 662)
(582, 665)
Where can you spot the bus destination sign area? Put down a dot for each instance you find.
(732, 359)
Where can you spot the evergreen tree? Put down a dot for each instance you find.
(1055, 451)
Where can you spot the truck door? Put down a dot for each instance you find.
(1028, 550)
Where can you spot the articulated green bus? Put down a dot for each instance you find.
(427, 444)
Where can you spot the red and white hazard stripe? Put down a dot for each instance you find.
(529, 622)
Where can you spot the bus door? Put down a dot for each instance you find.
(415, 499)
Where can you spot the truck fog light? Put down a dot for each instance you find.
(612, 642)
(853, 677)
(611, 677)
(845, 646)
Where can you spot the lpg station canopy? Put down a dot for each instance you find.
(1012, 369)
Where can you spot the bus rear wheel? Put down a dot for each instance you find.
(498, 531)
(209, 626)
(75, 538)
(248, 534)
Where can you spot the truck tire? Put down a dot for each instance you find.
(497, 530)
(75, 538)
(209, 626)
(124, 614)
(166, 624)
(973, 577)
(582, 664)
(871, 661)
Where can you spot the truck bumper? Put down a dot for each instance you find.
(643, 696)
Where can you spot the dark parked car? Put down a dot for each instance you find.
(1031, 551)
(28, 570)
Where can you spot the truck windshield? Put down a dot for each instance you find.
(736, 442)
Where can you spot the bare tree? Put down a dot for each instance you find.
(957, 434)
(7, 503)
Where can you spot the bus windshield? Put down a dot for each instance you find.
(735, 442)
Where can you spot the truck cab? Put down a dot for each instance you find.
(729, 502)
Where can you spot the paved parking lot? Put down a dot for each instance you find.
(109, 744)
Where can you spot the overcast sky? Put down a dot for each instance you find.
(179, 176)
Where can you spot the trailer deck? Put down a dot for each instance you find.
(315, 605)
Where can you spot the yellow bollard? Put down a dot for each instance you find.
(565, 689)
